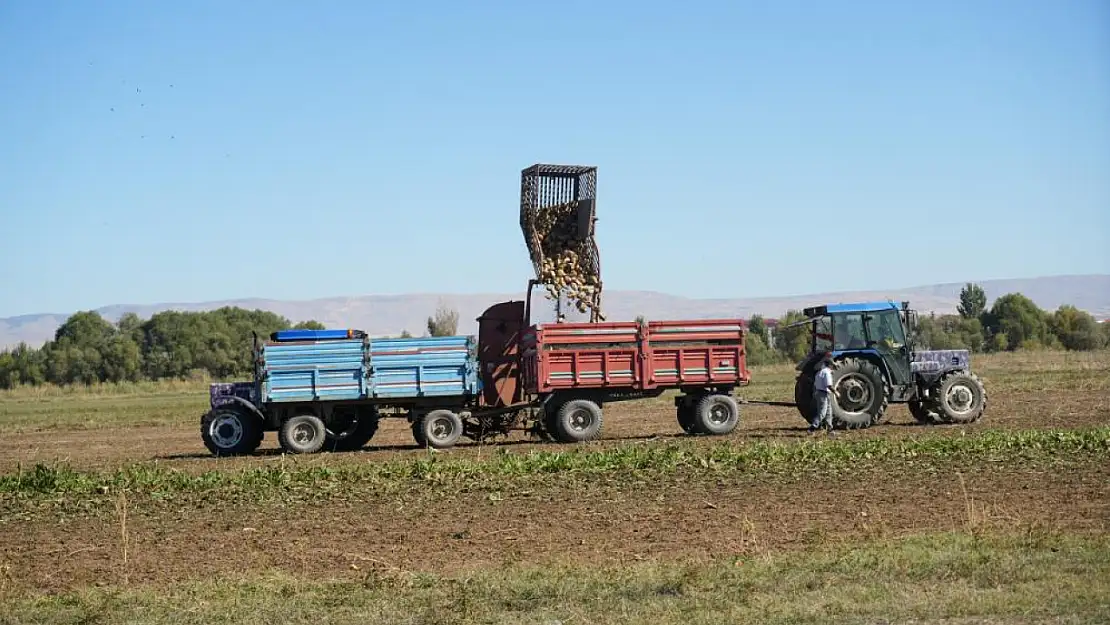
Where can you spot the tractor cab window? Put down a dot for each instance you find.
(822, 335)
(886, 330)
(848, 332)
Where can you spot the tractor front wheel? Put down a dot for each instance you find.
(230, 431)
(960, 397)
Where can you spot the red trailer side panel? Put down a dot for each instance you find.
(702, 352)
(624, 355)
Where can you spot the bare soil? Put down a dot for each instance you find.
(181, 446)
(43, 548)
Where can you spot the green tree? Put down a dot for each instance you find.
(122, 360)
(85, 329)
(9, 375)
(971, 334)
(931, 334)
(758, 327)
(999, 342)
(405, 334)
(1016, 316)
(792, 343)
(21, 365)
(445, 322)
(1076, 329)
(973, 301)
(950, 332)
(130, 323)
(758, 353)
(30, 363)
(311, 324)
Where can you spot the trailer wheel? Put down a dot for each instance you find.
(685, 414)
(351, 429)
(302, 434)
(960, 397)
(230, 432)
(577, 421)
(716, 415)
(439, 429)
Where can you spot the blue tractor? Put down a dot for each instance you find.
(876, 363)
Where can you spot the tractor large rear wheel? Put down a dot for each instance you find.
(923, 411)
(862, 393)
(685, 414)
(803, 396)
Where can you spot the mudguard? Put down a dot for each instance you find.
(241, 394)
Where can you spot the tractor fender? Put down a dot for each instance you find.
(239, 402)
(870, 356)
(806, 365)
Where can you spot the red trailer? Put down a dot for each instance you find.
(563, 374)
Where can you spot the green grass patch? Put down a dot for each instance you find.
(939, 578)
(90, 412)
(626, 462)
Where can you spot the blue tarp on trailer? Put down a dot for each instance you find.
(314, 335)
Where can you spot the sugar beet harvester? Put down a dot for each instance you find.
(329, 389)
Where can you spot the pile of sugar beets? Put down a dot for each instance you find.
(567, 267)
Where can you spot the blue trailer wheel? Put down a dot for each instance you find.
(302, 434)
(439, 429)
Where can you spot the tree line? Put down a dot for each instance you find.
(88, 349)
(1012, 322)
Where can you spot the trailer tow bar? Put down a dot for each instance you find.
(756, 402)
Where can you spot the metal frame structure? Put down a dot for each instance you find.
(545, 185)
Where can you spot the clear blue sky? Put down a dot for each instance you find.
(190, 151)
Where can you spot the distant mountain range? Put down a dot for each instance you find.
(390, 314)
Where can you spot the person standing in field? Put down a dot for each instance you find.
(822, 396)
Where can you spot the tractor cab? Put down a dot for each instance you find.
(881, 330)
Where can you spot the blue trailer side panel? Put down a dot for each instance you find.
(423, 367)
(313, 370)
(337, 370)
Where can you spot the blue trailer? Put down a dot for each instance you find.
(326, 389)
